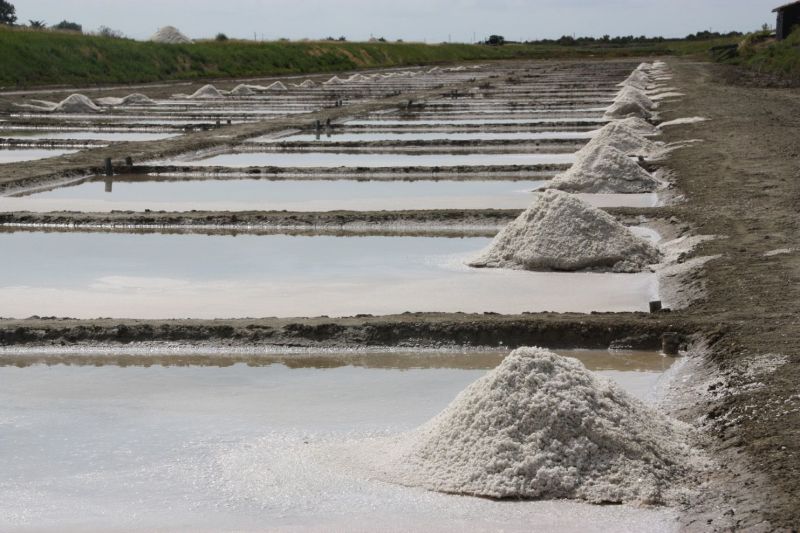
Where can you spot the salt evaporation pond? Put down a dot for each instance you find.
(89, 275)
(336, 160)
(111, 136)
(14, 155)
(137, 193)
(432, 136)
(411, 121)
(210, 449)
(145, 192)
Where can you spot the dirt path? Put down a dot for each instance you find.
(743, 183)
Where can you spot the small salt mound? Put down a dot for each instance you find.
(637, 79)
(632, 94)
(605, 170)
(561, 232)
(207, 91)
(541, 426)
(336, 80)
(76, 103)
(170, 35)
(358, 78)
(622, 109)
(135, 98)
(638, 125)
(623, 137)
(242, 90)
(277, 86)
(308, 84)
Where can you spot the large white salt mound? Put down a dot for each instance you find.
(541, 426)
(622, 136)
(207, 91)
(76, 103)
(623, 109)
(636, 77)
(135, 98)
(632, 94)
(562, 232)
(605, 170)
(336, 80)
(170, 35)
(307, 84)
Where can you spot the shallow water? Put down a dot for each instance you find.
(445, 122)
(14, 155)
(112, 136)
(145, 192)
(333, 160)
(178, 275)
(137, 193)
(433, 136)
(207, 449)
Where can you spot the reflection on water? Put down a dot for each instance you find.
(597, 360)
(14, 155)
(200, 276)
(111, 136)
(334, 159)
(432, 136)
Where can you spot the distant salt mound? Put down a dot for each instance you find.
(170, 35)
(358, 78)
(541, 426)
(632, 94)
(76, 103)
(639, 126)
(135, 98)
(631, 102)
(637, 77)
(242, 90)
(277, 86)
(336, 80)
(624, 137)
(605, 170)
(207, 92)
(308, 84)
(561, 232)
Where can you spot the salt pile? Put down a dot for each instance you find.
(541, 426)
(561, 232)
(277, 86)
(333, 81)
(135, 98)
(242, 90)
(631, 101)
(605, 170)
(639, 126)
(77, 103)
(74, 103)
(207, 91)
(624, 137)
(308, 84)
(170, 35)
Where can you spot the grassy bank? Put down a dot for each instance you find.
(780, 59)
(37, 58)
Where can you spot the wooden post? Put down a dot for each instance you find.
(655, 306)
(670, 343)
(109, 168)
(129, 162)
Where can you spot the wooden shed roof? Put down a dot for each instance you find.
(784, 6)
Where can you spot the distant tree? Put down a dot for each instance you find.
(381, 39)
(496, 40)
(105, 31)
(221, 37)
(36, 24)
(68, 26)
(342, 38)
(7, 13)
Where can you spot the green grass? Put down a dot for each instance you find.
(777, 58)
(38, 58)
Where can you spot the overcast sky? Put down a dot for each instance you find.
(429, 20)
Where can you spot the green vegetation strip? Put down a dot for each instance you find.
(44, 57)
